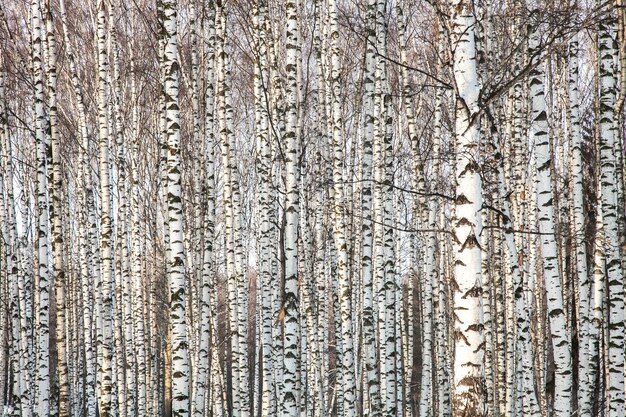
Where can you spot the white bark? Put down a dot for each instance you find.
(138, 331)
(291, 377)
(540, 136)
(200, 400)
(104, 314)
(578, 231)
(348, 382)
(607, 49)
(56, 217)
(42, 278)
(178, 303)
(369, 328)
(467, 225)
(265, 206)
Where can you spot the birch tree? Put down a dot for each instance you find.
(468, 321)
(608, 191)
(42, 282)
(56, 217)
(584, 394)
(540, 136)
(178, 303)
(105, 290)
(313, 208)
(369, 328)
(291, 377)
(339, 224)
(201, 379)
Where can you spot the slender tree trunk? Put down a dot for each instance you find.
(540, 136)
(585, 393)
(206, 317)
(425, 216)
(265, 206)
(319, 263)
(291, 371)
(104, 314)
(178, 303)
(348, 382)
(607, 50)
(42, 283)
(56, 215)
(9, 314)
(369, 327)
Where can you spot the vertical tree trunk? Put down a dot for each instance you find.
(201, 378)
(440, 139)
(348, 382)
(598, 294)
(178, 300)
(9, 316)
(425, 216)
(607, 50)
(369, 327)
(585, 393)
(384, 234)
(229, 245)
(56, 218)
(291, 377)
(540, 136)
(42, 277)
(265, 206)
(468, 321)
(85, 256)
(238, 281)
(105, 302)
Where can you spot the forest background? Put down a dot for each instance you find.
(312, 207)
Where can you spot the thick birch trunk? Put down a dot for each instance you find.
(468, 321)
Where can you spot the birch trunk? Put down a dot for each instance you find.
(201, 378)
(585, 394)
(42, 283)
(468, 321)
(384, 238)
(369, 327)
(607, 50)
(348, 382)
(178, 299)
(58, 269)
(539, 135)
(264, 169)
(291, 371)
(139, 330)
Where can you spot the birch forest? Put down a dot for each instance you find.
(384, 208)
